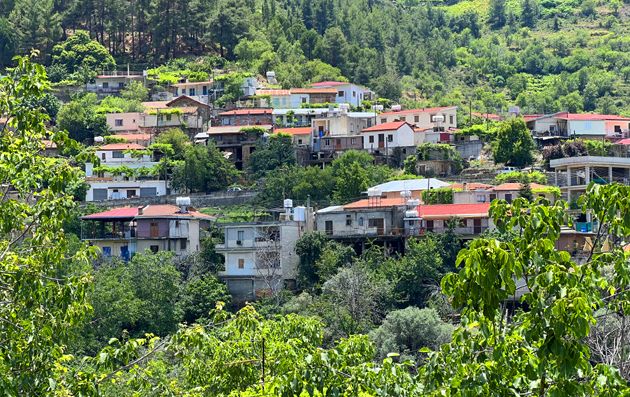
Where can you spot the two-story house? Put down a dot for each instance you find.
(111, 83)
(470, 220)
(472, 194)
(123, 122)
(160, 115)
(339, 130)
(408, 187)
(237, 142)
(260, 257)
(352, 94)
(437, 119)
(382, 139)
(122, 232)
(301, 117)
(112, 181)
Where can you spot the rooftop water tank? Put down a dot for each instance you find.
(288, 203)
(374, 192)
(299, 214)
(396, 108)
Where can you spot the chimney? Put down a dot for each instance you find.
(140, 210)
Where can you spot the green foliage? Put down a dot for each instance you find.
(438, 196)
(79, 52)
(299, 184)
(408, 330)
(514, 143)
(114, 104)
(521, 176)
(41, 269)
(309, 248)
(200, 296)
(203, 169)
(80, 118)
(135, 92)
(276, 152)
(177, 139)
(114, 139)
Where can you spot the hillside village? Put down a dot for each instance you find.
(313, 198)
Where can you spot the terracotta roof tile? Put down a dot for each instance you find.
(376, 203)
(445, 211)
(391, 126)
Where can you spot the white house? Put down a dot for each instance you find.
(260, 256)
(584, 125)
(350, 93)
(116, 154)
(340, 130)
(383, 138)
(425, 118)
(394, 189)
(113, 82)
(300, 117)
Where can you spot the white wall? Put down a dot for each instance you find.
(352, 94)
(420, 118)
(586, 127)
(122, 187)
(403, 137)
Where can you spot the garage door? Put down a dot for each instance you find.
(148, 191)
(241, 289)
(99, 194)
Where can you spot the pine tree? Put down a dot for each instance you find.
(529, 13)
(265, 11)
(307, 14)
(497, 13)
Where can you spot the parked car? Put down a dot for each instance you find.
(235, 189)
(508, 169)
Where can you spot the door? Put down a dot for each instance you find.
(148, 191)
(338, 144)
(429, 226)
(154, 230)
(329, 228)
(379, 224)
(381, 141)
(493, 197)
(124, 253)
(131, 193)
(477, 226)
(508, 197)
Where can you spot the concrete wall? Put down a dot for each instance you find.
(123, 187)
(421, 118)
(129, 121)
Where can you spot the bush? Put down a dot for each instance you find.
(200, 295)
(408, 330)
(522, 177)
(438, 196)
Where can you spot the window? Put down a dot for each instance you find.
(340, 94)
(118, 122)
(102, 156)
(240, 236)
(353, 141)
(617, 129)
(117, 154)
(390, 138)
(107, 251)
(105, 85)
(176, 92)
(481, 198)
(154, 249)
(299, 141)
(192, 91)
(182, 244)
(303, 99)
(361, 221)
(383, 121)
(508, 197)
(404, 118)
(204, 90)
(169, 117)
(416, 119)
(186, 118)
(354, 94)
(433, 118)
(177, 223)
(121, 85)
(329, 227)
(450, 119)
(348, 220)
(371, 139)
(241, 263)
(327, 142)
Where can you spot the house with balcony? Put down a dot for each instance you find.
(123, 175)
(162, 115)
(469, 220)
(505, 191)
(338, 131)
(111, 83)
(574, 174)
(352, 94)
(412, 188)
(122, 232)
(583, 125)
(260, 257)
(247, 116)
(300, 117)
(439, 119)
(237, 142)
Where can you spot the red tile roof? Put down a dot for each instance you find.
(445, 211)
(391, 126)
(329, 83)
(377, 202)
(528, 117)
(591, 117)
(623, 142)
(186, 97)
(489, 116)
(471, 186)
(126, 212)
(315, 90)
(244, 112)
(134, 137)
(273, 92)
(149, 211)
(155, 104)
(294, 131)
(121, 146)
(505, 187)
(412, 111)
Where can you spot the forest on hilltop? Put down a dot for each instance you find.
(542, 55)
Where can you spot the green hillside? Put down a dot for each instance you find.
(542, 55)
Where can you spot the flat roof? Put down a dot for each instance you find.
(411, 184)
(591, 161)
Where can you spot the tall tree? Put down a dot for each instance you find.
(529, 13)
(496, 15)
(227, 25)
(514, 144)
